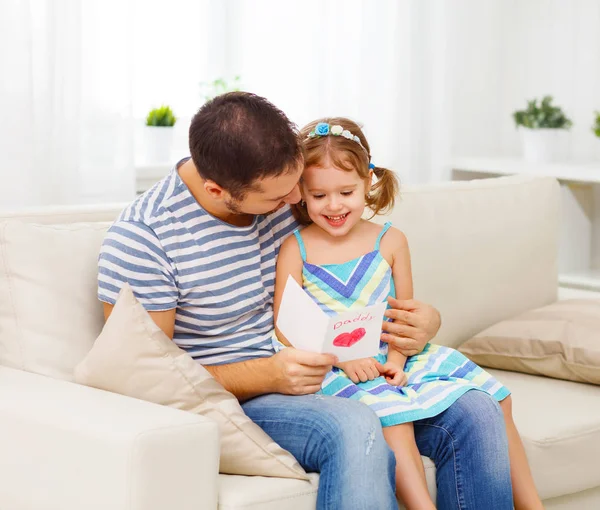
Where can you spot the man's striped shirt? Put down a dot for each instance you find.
(219, 277)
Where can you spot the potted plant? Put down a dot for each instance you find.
(159, 134)
(543, 129)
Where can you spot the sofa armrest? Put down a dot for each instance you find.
(65, 446)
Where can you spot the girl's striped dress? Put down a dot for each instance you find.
(437, 377)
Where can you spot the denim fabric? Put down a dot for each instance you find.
(469, 447)
(339, 438)
(342, 440)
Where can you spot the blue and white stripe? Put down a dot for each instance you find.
(219, 277)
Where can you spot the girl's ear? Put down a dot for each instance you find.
(369, 182)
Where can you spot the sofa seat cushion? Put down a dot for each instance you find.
(559, 422)
(262, 493)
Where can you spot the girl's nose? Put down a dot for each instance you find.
(334, 204)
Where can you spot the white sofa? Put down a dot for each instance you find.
(482, 251)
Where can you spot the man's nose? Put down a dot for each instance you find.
(294, 197)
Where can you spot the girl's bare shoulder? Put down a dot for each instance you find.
(393, 241)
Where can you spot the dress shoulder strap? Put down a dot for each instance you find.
(385, 228)
(300, 244)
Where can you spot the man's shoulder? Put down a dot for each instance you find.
(282, 220)
(151, 208)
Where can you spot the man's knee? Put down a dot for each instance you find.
(343, 416)
(353, 428)
(478, 404)
(479, 414)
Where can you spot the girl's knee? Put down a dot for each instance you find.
(506, 406)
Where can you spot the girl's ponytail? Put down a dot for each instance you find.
(382, 196)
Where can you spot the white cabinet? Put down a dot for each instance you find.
(579, 250)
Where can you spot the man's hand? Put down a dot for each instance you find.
(414, 325)
(394, 374)
(361, 370)
(299, 372)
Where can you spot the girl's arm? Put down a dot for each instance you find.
(394, 247)
(289, 262)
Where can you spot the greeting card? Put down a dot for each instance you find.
(349, 335)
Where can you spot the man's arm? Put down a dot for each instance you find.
(290, 371)
(413, 323)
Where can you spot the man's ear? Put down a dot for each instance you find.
(214, 190)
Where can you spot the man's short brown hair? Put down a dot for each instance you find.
(238, 138)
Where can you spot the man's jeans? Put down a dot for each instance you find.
(342, 440)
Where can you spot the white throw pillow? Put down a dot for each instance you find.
(49, 311)
(133, 357)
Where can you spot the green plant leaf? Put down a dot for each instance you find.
(218, 86)
(543, 116)
(596, 124)
(162, 116)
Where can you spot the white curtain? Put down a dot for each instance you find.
(380, 63)
(428, 79)
(65, 96)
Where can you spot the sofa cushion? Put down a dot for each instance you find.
(560, 340)
(559, 422)
(49, 310)
(134, 357)
(259, 493)
(471, 244)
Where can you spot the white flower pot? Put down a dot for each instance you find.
(545, 145)
(158, 141)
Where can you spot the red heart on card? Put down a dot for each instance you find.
(349, 339)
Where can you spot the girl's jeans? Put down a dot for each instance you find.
(342, 440)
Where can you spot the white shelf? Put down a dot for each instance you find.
(146, 174)
(570, 293)
(567, 171)
(587, 280)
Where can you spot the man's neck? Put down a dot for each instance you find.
(217, 208)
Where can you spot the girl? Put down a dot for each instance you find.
(343, 261)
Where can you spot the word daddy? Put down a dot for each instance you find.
(359, 318)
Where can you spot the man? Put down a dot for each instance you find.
(199, 250)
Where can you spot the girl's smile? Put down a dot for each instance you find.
(337, 221)
(335, 199)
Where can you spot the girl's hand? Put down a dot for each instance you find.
(394, 374)
(361, 370)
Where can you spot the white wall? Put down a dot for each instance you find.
(502, 52)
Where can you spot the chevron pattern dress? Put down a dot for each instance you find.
(437, 377)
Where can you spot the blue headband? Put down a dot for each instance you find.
(324, 129)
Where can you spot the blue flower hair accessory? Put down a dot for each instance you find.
(324, 129)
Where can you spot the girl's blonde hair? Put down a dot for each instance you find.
(347, 154)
